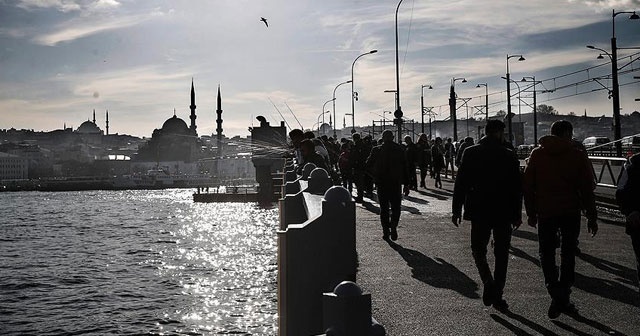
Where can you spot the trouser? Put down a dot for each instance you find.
(635, 241)
(423, 175)
(413, 179)
(480, 235)
(389, 197)
(358, 180)
(559, 283)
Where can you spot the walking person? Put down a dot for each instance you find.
(411, 154)
(390, 173)
(449, 157)
(437, 159)
(346, 171)
(628, 198)
(424, 158)
(489, 186)
(558, 184)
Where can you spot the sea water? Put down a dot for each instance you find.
(135, 262)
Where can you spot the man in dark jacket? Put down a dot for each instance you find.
(558, 184)
(628, 197)
(390, 173)
(489, 186)
(411, 154)
(310, 155)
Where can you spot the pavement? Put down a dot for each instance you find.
(426, 283)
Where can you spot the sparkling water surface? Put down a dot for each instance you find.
(135, 262)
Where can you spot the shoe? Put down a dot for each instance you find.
(554, 310)
(358, 199)
(569, 308)
(394, 234)
(385, 234)
(488, 294)
(500, 305)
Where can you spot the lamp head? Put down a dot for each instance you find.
(591, 47)
(521, 58)
(373, 51)
(634, 16)
(464, 80)
(600, 57)
(349, 81)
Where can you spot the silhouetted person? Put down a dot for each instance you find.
(424, 158)
(489, 186)
(411, 153)
(310, 155)
(468, 142)
(437, 159)
(628, 197)
(558, 183)
(449, 157)
(296, 136)
(390, 173)
(344, 163)
(358, 157)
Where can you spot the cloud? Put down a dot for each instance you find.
(79, 28)
(616, 4)
(60, 5)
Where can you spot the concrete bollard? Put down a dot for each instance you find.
(307, 169)
(319, 181)
(346, 311)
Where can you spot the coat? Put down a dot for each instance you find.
(388, 165)
(489, 184)
(558, 180)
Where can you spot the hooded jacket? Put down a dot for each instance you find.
(558, 180)
(489, 184)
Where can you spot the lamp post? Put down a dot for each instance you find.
(486, 100)
(398, 112)
(535, 112)
(520, 58)
(452, 105)
(335, 121)
(615, 88)
(318, 120)
(353, 94)
(422, 102)
(384, 119)
(323, 112)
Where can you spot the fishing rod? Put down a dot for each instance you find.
(281, 116)
(294, 115)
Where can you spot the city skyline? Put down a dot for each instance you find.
(61, 59)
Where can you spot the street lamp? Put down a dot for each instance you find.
(452, 105)
(384, 119)
(486, 99)
(520, 59)
(353, 94)
(422, 102)
(323, 113)
(398, 112)
(615, 89)
(318, 120)
(535, 113)
(335, 121)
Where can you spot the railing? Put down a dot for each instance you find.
(316, 254)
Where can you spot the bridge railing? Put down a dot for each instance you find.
(316, 249)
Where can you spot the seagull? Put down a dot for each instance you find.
(264, 20)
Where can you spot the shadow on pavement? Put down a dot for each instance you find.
(595, 324)
(626, 274)
(570, 329)
(525, 235)
(415, 199)
(437, 272)
(371, 207)
(513, 328)
(534, 326)
(609, 289)
(522, 254)
(434, 193)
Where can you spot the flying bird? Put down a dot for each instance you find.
(264, 20)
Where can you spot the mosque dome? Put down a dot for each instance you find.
(88, 127)
(175, 125)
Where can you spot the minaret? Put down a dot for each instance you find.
(219, 122)
(193, 108)
(107, 122)
(94, 116)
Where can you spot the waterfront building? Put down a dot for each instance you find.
(13, 167)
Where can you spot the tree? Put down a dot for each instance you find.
(546, 109)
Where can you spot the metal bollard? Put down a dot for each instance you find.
(319, 181)
(306, 171)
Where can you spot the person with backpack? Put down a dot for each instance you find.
(628, 198)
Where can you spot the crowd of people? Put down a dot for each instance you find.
(556, 187)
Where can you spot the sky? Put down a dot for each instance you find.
(61, 59)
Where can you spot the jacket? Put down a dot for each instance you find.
(628, 193)
(388, 164)
(489, 183)
(558, 180)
